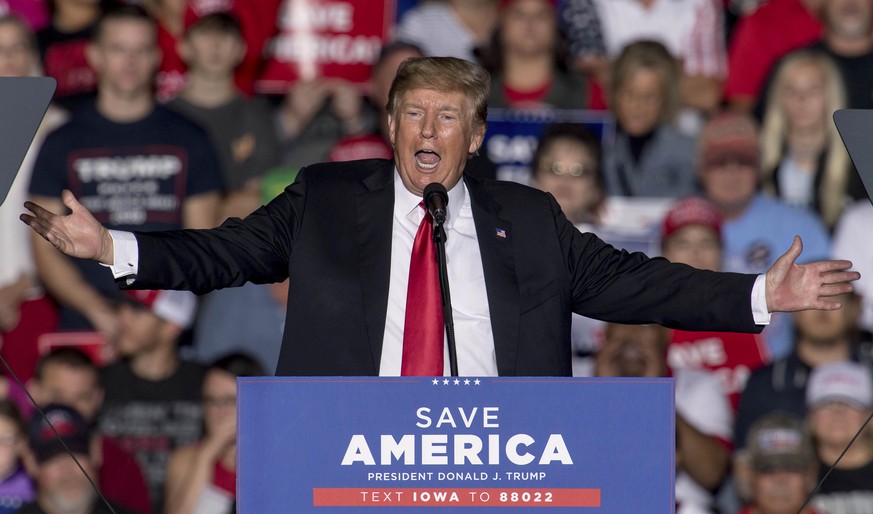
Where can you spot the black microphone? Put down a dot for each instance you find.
(436, 198)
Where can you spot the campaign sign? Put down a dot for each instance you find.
(455, 444)
(513, 135)
(325, 38)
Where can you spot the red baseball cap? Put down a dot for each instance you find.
(693, 210)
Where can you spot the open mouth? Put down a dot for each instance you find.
(427, 159)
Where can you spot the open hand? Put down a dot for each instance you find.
(796, 287)
(77, 234)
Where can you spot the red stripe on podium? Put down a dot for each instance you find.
(457, 497)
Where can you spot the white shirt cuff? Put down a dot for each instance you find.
(759, 301)
(125, 256)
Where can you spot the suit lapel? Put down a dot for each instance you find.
(496, 246)
(375, 218)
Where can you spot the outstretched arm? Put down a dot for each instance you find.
(796, 287)
(77, 234)
(62, 279)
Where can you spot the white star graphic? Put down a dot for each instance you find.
(457, 381)
(466, 381)
(446, 381)
(476, 382)
(436, 381)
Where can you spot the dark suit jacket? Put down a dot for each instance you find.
(330, 232)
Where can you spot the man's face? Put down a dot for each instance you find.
(694, 245)
(125, 57)
(834, 423)
(73, 387)
(729, 184)
(432, 133)
(61, 486)
(632, 351)
(212, 52)
(848, 18)
(828, 327)
(16, 55)
(779, 492)
(140, 330)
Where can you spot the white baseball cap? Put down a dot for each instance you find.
(847, 382)
(177, 307)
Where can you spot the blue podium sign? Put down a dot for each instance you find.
(455, 444)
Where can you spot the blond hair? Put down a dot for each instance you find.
(774, 132)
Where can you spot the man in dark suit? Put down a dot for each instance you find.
(343, 232)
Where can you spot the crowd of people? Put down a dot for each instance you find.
(159, 123)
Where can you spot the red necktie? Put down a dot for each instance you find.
(423, 331)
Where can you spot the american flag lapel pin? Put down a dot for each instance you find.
(501, 233)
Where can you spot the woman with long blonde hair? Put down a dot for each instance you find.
(804, 161)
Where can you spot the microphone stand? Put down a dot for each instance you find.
(439, 237)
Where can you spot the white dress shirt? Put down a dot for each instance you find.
(474, 338)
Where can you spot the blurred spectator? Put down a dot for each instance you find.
(579, 21)
(691, 30)
(135, 164)
(34, 12)
(375, 144)
(449, 28)
(691, 234)
(16, 487)
(68, 377)
(62, 487)
(803, 158)
(153, 398)
(526, 60)
(754, 226)
(650, 156)
(170, 20)
(755, 47)
(567, 164)
(316, 114)
(62, 49)
(823, 337)
(848, 40)
(782, 471)
(241, 130)
(703, 416)
(849, 243)
(201, 478)
(25, 310)
(840, 401)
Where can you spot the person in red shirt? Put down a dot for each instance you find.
(691, 234)
(756, 44)
(525, 61)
